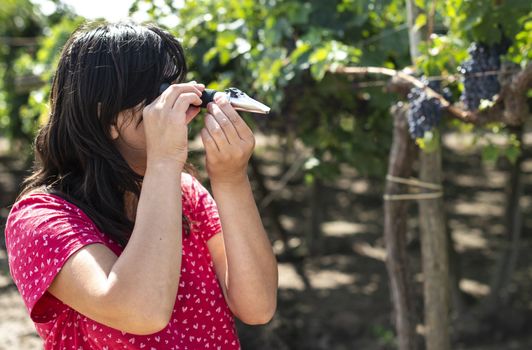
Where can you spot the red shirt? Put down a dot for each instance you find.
(44, 230)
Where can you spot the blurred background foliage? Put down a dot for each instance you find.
(279, 52)
(282, 52)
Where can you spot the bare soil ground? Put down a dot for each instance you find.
(340, 298)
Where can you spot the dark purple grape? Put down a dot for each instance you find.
(424, 112)
(479, 73)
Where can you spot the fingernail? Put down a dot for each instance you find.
(196, 83)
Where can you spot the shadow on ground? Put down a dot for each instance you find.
(339, 299)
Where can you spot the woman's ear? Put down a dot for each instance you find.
(113, 131)
(120, 121)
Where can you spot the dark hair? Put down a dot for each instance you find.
(103, 69)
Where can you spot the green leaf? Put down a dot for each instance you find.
(421, 21)
(420, 4)
(490, 153)
(209, 55)
(512, 153)
(430, 141)
(319, 69)
(485, 104)
(319, 55)
(309, 178)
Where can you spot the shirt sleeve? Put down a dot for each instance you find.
(42, 232)
(204, 215)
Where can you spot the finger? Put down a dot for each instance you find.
(223, 120)
(198, 85)
(215, 130)
(208, 142)
(241, 127)
(170, 95)
(176, 89)
(184, 101)
(191, 113)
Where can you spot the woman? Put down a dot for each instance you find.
(111, 244)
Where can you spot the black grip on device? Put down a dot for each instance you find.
(206, 97)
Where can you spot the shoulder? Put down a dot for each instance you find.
(192, 188)
(39, 204)
(39, 211)
(188, 181)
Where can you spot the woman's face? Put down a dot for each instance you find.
(130, 140)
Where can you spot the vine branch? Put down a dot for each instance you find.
(510, 106)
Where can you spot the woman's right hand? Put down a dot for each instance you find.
(165, 122)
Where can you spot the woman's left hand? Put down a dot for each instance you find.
(228, 141)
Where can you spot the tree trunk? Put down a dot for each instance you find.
(459, 302)
(395, 229)
(435, 257)
(514, 224)
(313, 238)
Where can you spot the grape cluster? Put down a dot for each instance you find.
(480, 73)
(424, 112)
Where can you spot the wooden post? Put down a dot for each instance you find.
(434, 252)
(435, 258)
(395, 228)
